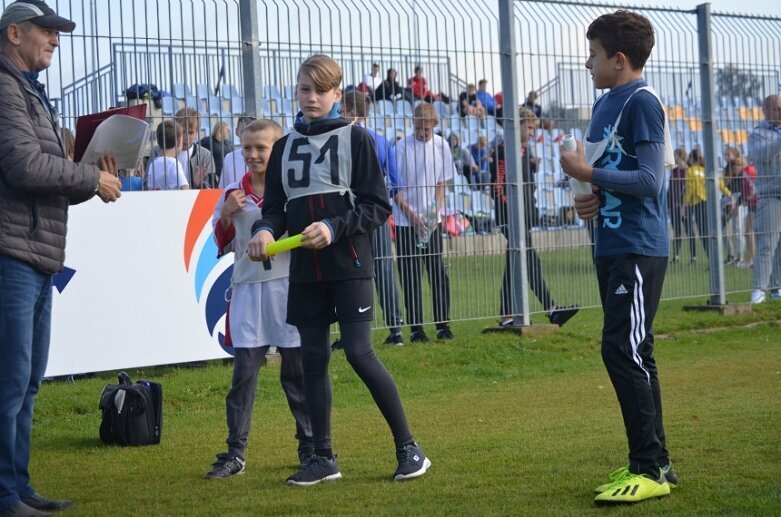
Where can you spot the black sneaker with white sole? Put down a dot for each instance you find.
(561, 315)
(444, 333)
(395, 339)
(226, 467)
(418, 336)
(316, 469)
(412, 462)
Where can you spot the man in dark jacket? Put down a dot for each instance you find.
(37, 183)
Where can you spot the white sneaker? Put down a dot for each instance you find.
(757, 296)
(775, 294)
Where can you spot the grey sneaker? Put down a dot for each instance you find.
(316, 469)
(226, 467)
(412, 462)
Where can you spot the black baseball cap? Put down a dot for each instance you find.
(35, 11)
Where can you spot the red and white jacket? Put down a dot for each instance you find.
(238, 234)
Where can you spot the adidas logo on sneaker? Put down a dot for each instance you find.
(621, 290)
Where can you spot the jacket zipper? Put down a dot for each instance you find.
(353, 252)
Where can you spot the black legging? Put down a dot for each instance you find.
(697, 214)
(315, 356)
(678, 228)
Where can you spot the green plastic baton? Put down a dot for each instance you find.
(285, 244)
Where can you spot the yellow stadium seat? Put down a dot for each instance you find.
(675, 112)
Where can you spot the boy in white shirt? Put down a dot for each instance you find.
(257, 310)
(165, 172)
(233, 167)
(425, 166)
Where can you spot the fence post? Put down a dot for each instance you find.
(713, 204)
(250, 58)
(516, 244)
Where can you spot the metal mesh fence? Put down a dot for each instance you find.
(208, 56)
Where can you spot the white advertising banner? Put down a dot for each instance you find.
(142, 284)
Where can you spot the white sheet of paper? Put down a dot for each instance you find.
(121, 136)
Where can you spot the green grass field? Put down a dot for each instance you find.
(513, 425)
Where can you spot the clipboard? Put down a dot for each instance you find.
(87, 124)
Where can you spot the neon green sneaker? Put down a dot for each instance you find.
(613, 477)
(633, 488)
(667, 470)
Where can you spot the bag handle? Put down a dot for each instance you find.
(124, 378)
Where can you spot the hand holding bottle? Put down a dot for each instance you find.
(426, 224)
(578, 187)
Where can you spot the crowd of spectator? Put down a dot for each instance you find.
(180, 160)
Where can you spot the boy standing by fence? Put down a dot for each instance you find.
(425, 166)
(325, 183)
(626, 150)
(196, 160)
(165, 172)
(355, 106)
(256, 313)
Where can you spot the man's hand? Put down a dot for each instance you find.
(587, 205)
(574, 163)
(316, 236)
(108, 185)
(421, 225)
(256, 249)
(107, 163)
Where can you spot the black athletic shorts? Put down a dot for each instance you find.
(323, 303)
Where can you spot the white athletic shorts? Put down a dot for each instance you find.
(257, 315)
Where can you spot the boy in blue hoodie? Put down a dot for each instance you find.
(324, 182)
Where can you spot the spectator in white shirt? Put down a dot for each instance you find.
(233, 167)
(425, 165)
(165, 172)
(373, 80)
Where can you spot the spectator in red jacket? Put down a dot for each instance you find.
(418, 86)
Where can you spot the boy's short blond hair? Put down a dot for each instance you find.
(260, 125)
(526, 114)
(323, 71)
(189, 119)
(426, 113)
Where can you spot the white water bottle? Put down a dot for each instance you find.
(578, 187)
